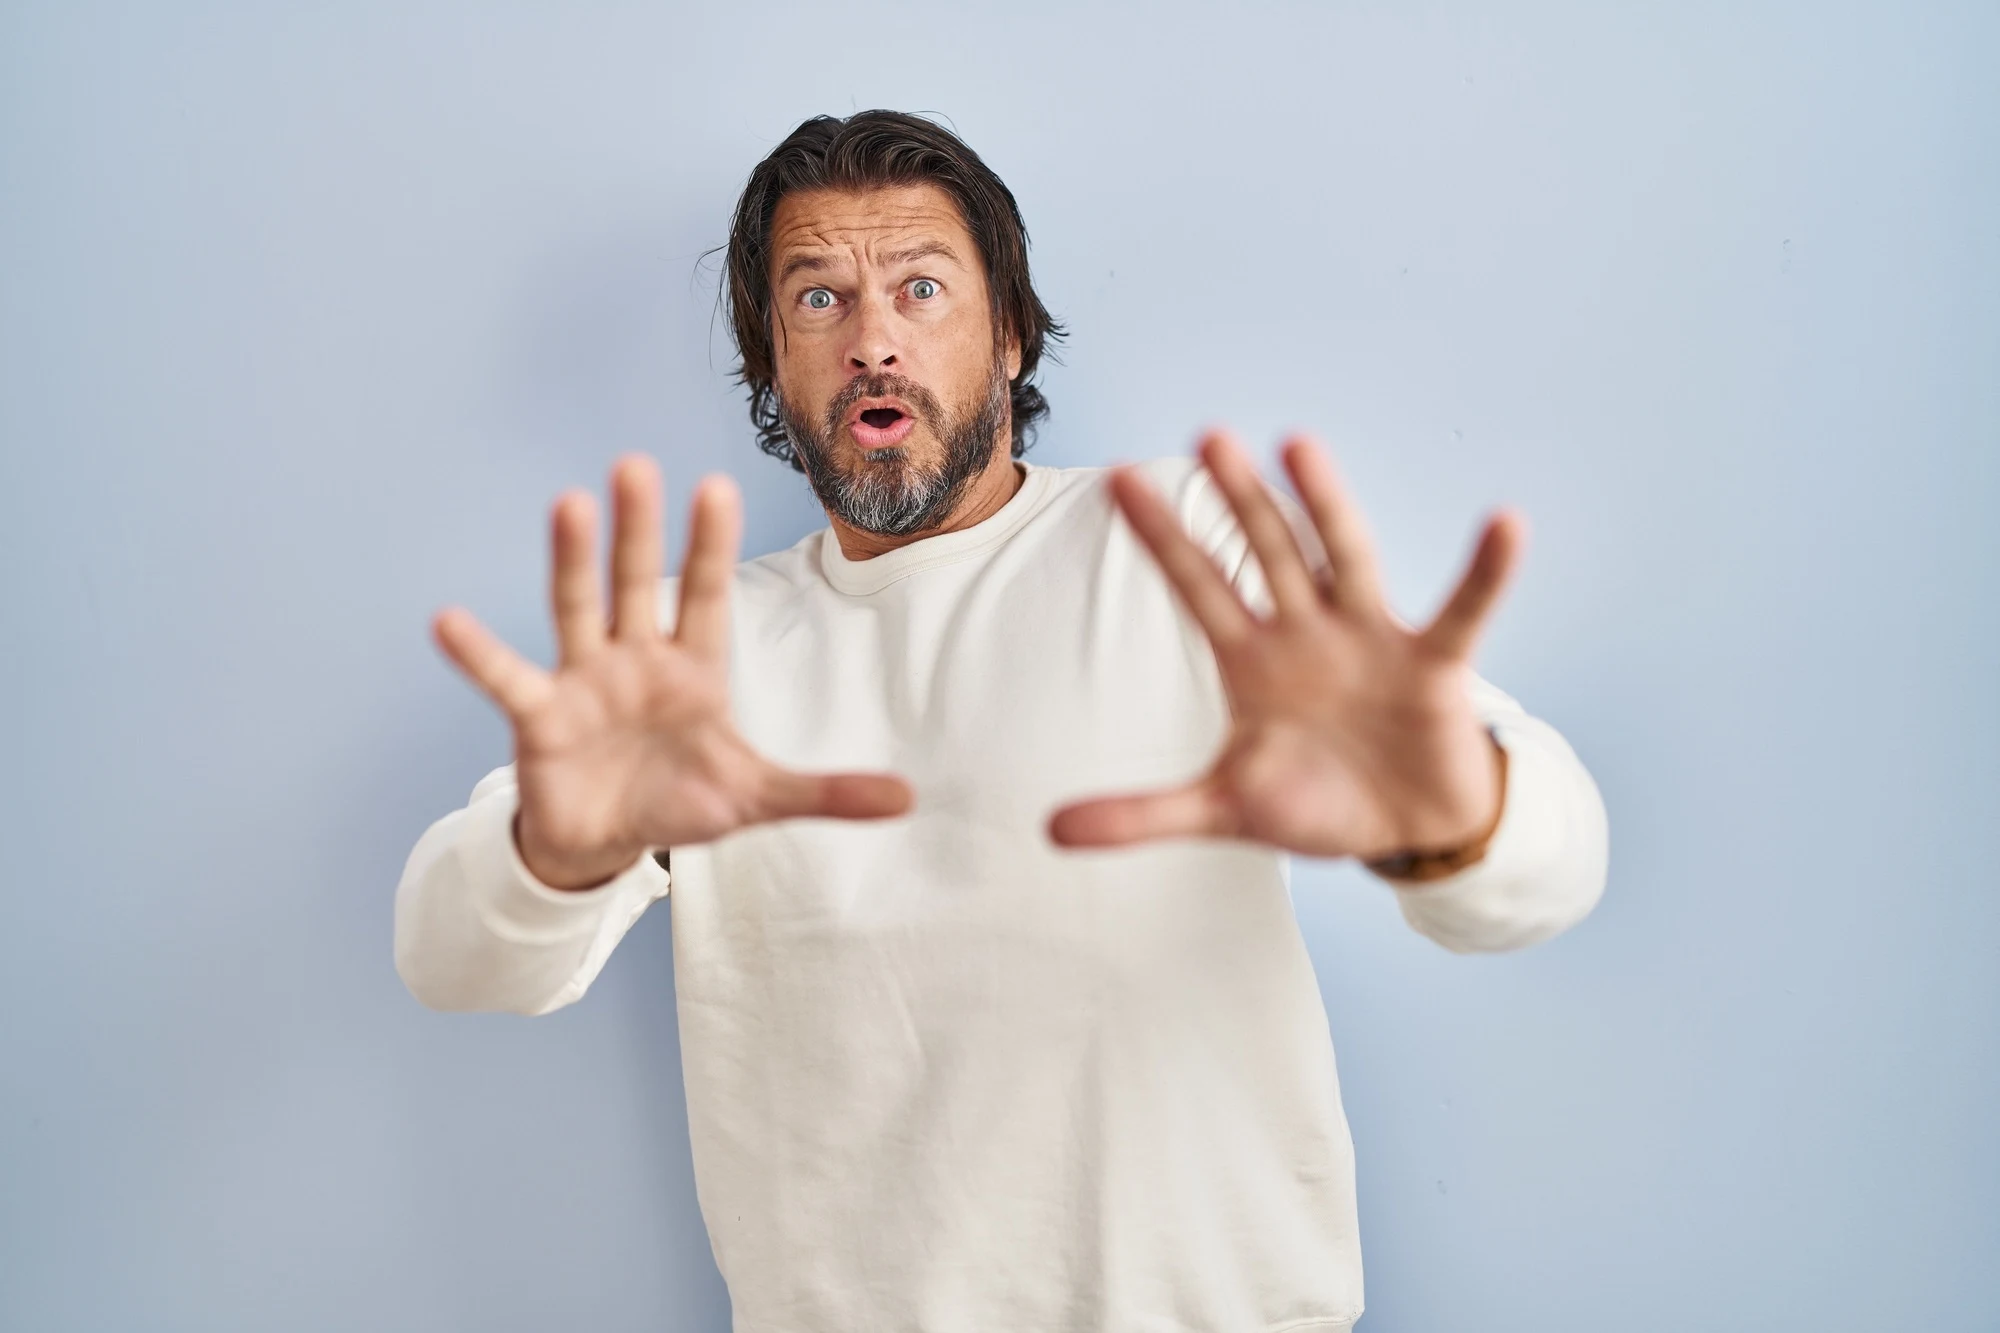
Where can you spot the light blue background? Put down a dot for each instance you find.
(308, 313)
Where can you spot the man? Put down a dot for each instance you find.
(974, 805)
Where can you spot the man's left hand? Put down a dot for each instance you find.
(1353, 735)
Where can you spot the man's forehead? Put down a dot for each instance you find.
(818, 221)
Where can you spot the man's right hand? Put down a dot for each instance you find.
(628, 745)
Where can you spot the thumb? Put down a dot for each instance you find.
(1197, 810)
(784, 794)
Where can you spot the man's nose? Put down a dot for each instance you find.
(874, 347)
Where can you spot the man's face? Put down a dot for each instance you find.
(891, 383)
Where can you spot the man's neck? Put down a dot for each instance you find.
(993, 487)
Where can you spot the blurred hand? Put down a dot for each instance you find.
(628, 744)
(1352, 735)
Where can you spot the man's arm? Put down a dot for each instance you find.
(624, 748)
(1545, 865)
(475, 930)
(1353, 733)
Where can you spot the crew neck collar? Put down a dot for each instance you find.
(878, 572)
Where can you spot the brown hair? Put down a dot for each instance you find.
(863, 151)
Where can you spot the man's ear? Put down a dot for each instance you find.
(1013, 358)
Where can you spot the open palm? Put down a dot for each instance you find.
(1352, 734)
(628, 745)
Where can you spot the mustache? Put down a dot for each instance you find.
(884, 384)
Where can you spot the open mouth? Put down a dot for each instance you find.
(880, 427)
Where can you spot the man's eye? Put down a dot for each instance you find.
(923, 289)
(819, 298)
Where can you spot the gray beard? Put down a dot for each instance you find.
(886, 493)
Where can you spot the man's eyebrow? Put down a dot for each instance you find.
(799, 263)
(811, 263)
(921, 250)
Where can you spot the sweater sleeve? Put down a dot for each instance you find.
(475, 930)
(1546, 865)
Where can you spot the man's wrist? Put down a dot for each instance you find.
(567, 879)
(1423, 866)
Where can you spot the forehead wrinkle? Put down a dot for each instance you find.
(863, 232)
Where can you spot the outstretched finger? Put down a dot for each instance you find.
(1455, 630)
(783, 794)
(1270, 537)
(1350, 555)
(1208, 596)
(503, 675)
(1197, 810)
(702, 623)
(638, 554)
(576, 597)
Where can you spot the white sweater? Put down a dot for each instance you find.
(941, 1074)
